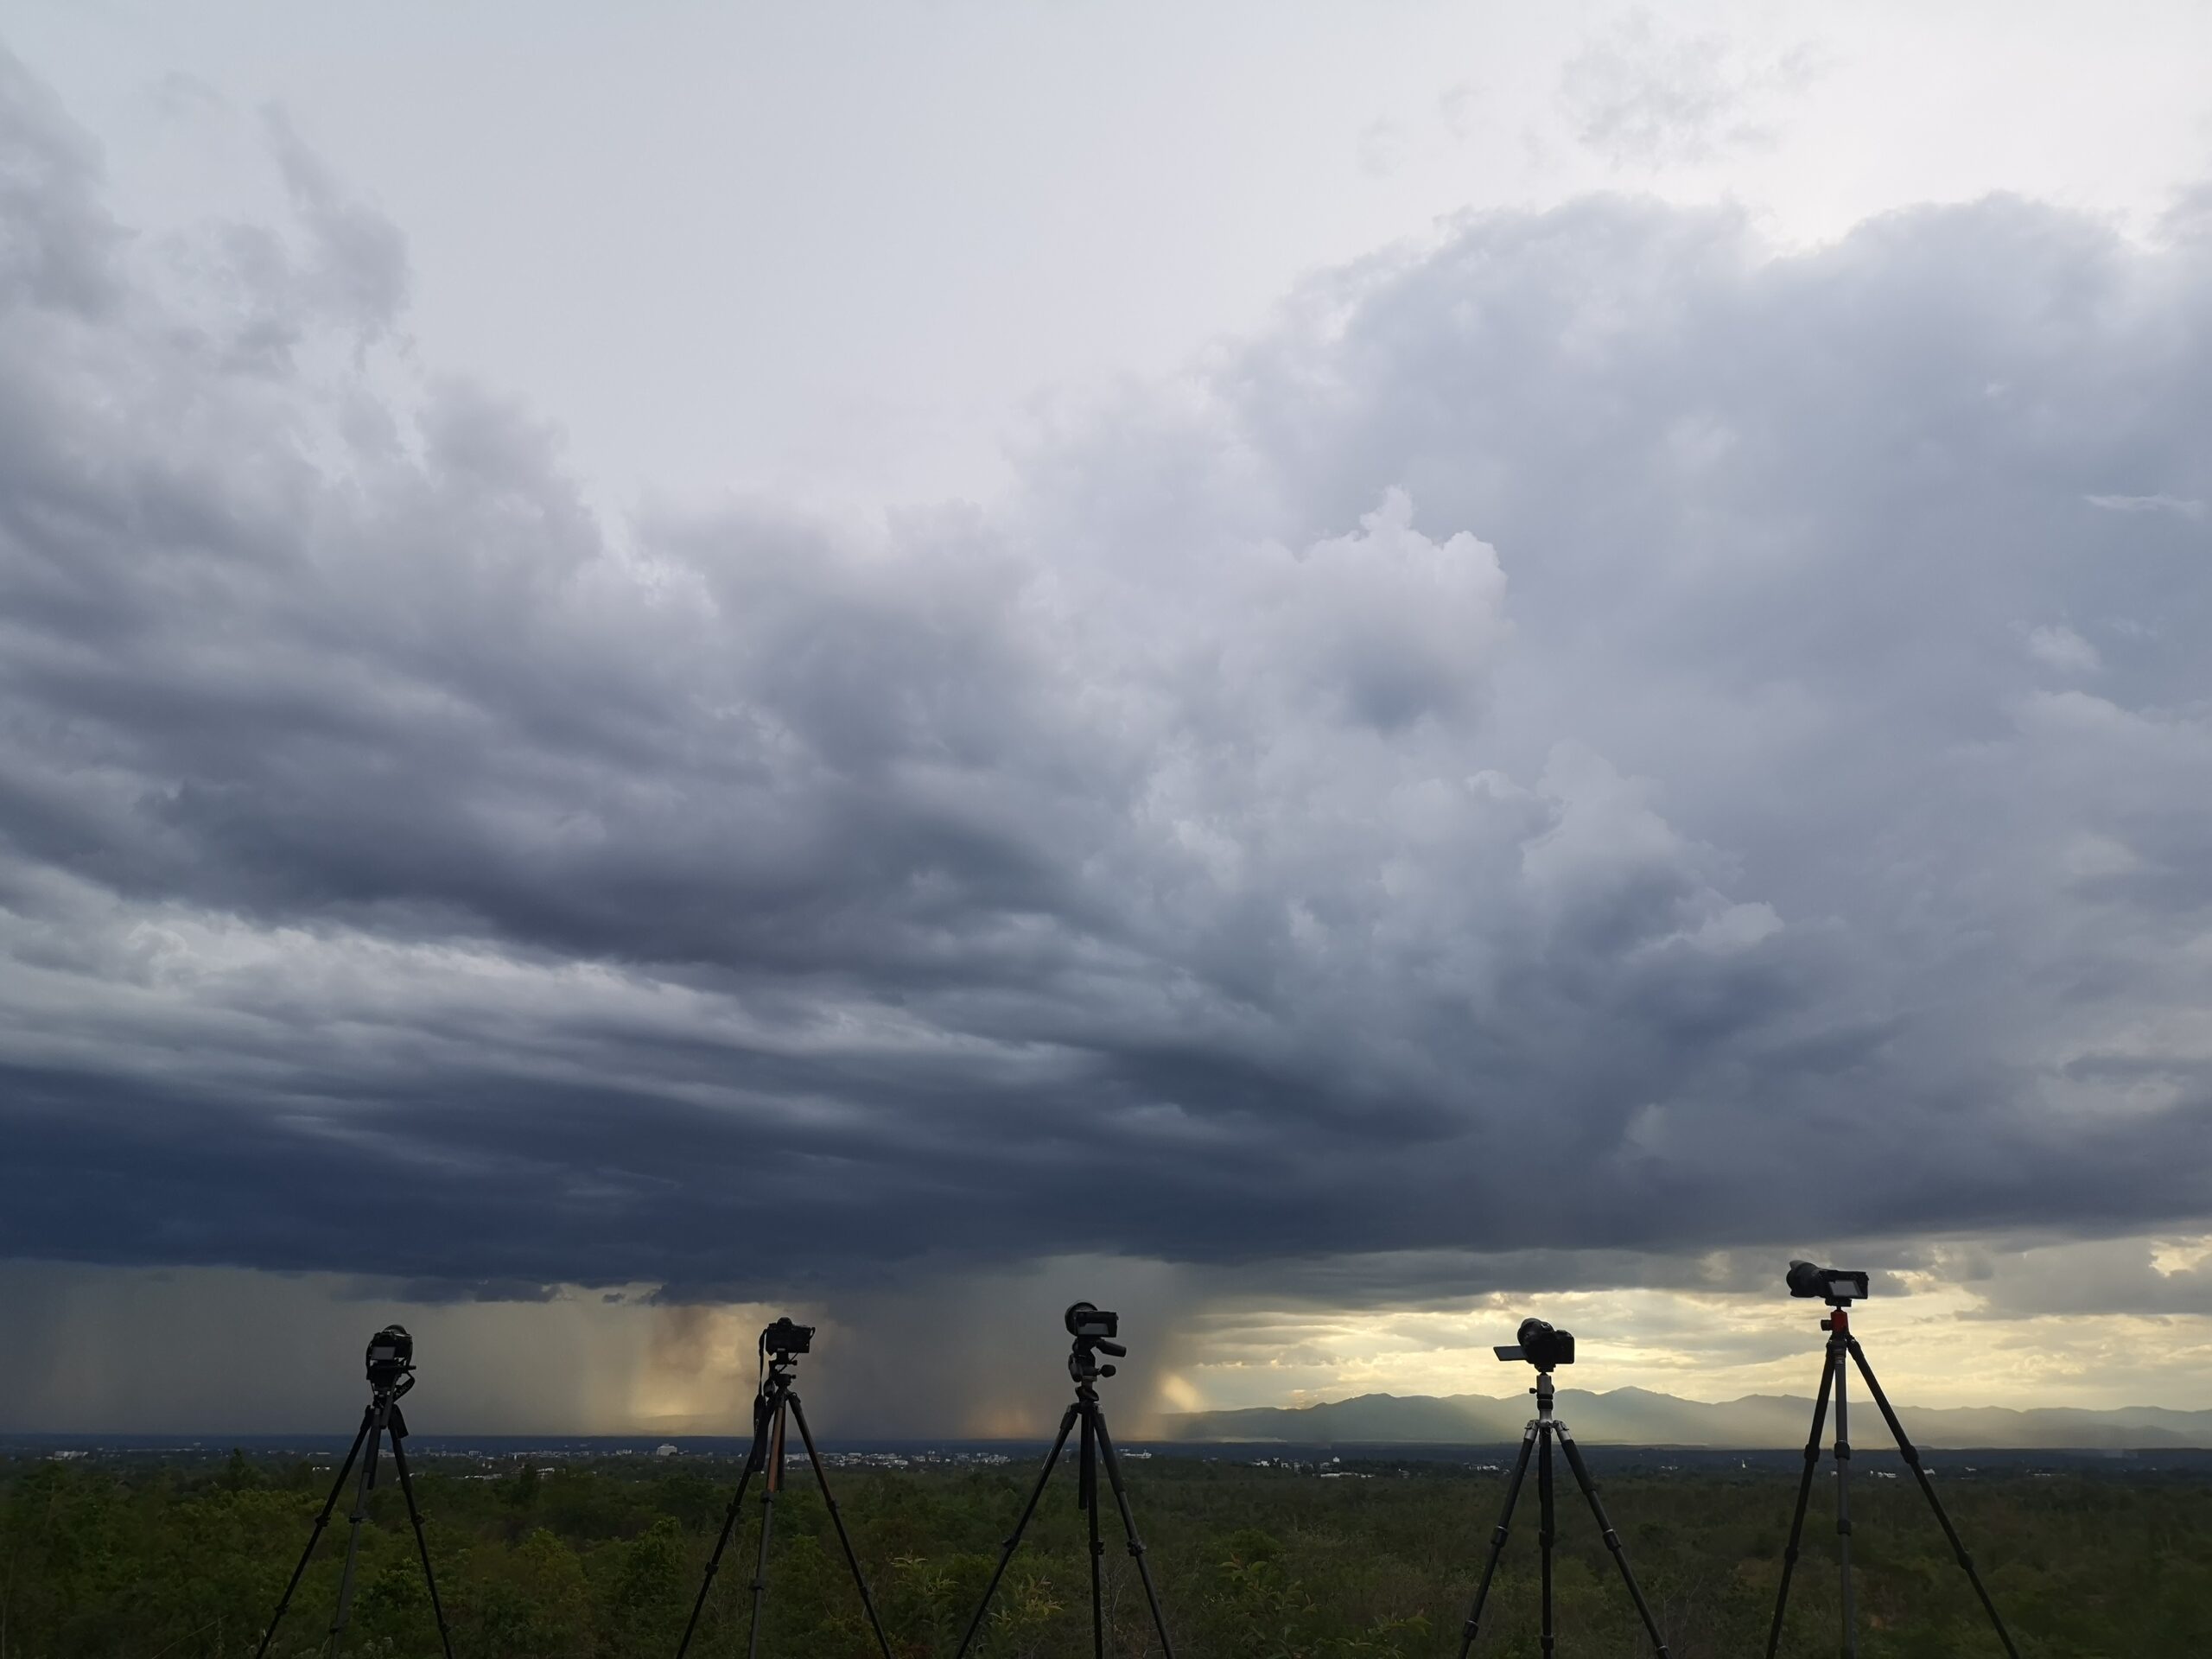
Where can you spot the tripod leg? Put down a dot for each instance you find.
(1498, 1539)
(1804, 1496)
(1849, 1648)
(1911, 1453)
(1013, 1540)
(360, 1513)
(1547, 1638)
(729, 1525)
(1612, 1539)
(1130, 1527)
(315, 1533)
(422, 1545)
(772, 1483)
(837, 1520)
(1087, 1487)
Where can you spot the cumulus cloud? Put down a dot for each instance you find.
(1535, 752)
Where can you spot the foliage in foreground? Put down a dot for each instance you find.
(601, 1562)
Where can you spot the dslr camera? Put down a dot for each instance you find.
(391, 1357)
(1831, 1285)
(1541, 1345)
(785, 1338)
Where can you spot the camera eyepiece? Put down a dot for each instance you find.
(390, 1357)
(1541, 1345)
(1830, 1285)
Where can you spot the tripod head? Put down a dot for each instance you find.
(391, 1362)
(1094, 1330)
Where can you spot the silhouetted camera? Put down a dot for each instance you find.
(1829, 1284)
(785, 1338)
(1541, 1345)
(1086, 1320)
(391, 1356)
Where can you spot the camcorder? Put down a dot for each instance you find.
(1094, 1329)
(1091, 1324)
(391, 1357)
(1830, 1285)
(1541, 1345)
(784, 1336)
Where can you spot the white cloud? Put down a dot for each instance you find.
(2057, 646)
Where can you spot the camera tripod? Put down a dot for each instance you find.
(389, 1378)
(775, 1404)
(1096, 1447)
(1543, 1428)
(1841, 1342)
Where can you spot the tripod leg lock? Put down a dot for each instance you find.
(1843, 1450)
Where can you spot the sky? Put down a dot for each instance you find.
(1331, 675)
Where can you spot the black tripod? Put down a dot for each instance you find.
(1093, 1331)
(391, 1373)
(1841, 1342)
(1543, 1347)
(773, 1404)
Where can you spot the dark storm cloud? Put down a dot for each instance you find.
(1218, 853)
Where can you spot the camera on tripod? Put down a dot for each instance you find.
(785, 1338)
(391, 1357)
(1094, 1329)
(1541, 1345)
(1830, 1285)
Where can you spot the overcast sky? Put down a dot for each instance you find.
(1336, 672)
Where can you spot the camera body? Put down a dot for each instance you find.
(1542, 1346)
(1094, 1330)
(1086, 1321)
(391, 1357)
(786, 1336)
(1830, 1285)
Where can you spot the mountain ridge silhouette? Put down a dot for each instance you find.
(1635, 1416)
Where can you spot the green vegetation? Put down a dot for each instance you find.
(600, 1560)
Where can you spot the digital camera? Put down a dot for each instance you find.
(391, 1357)
(1827, 1284)
(1084, 1320)
(1541, 1345)
(784, 1336)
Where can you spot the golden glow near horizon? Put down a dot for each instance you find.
(1938, 1344)
(2095, 1324)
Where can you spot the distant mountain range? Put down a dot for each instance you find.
(1639, 1417)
